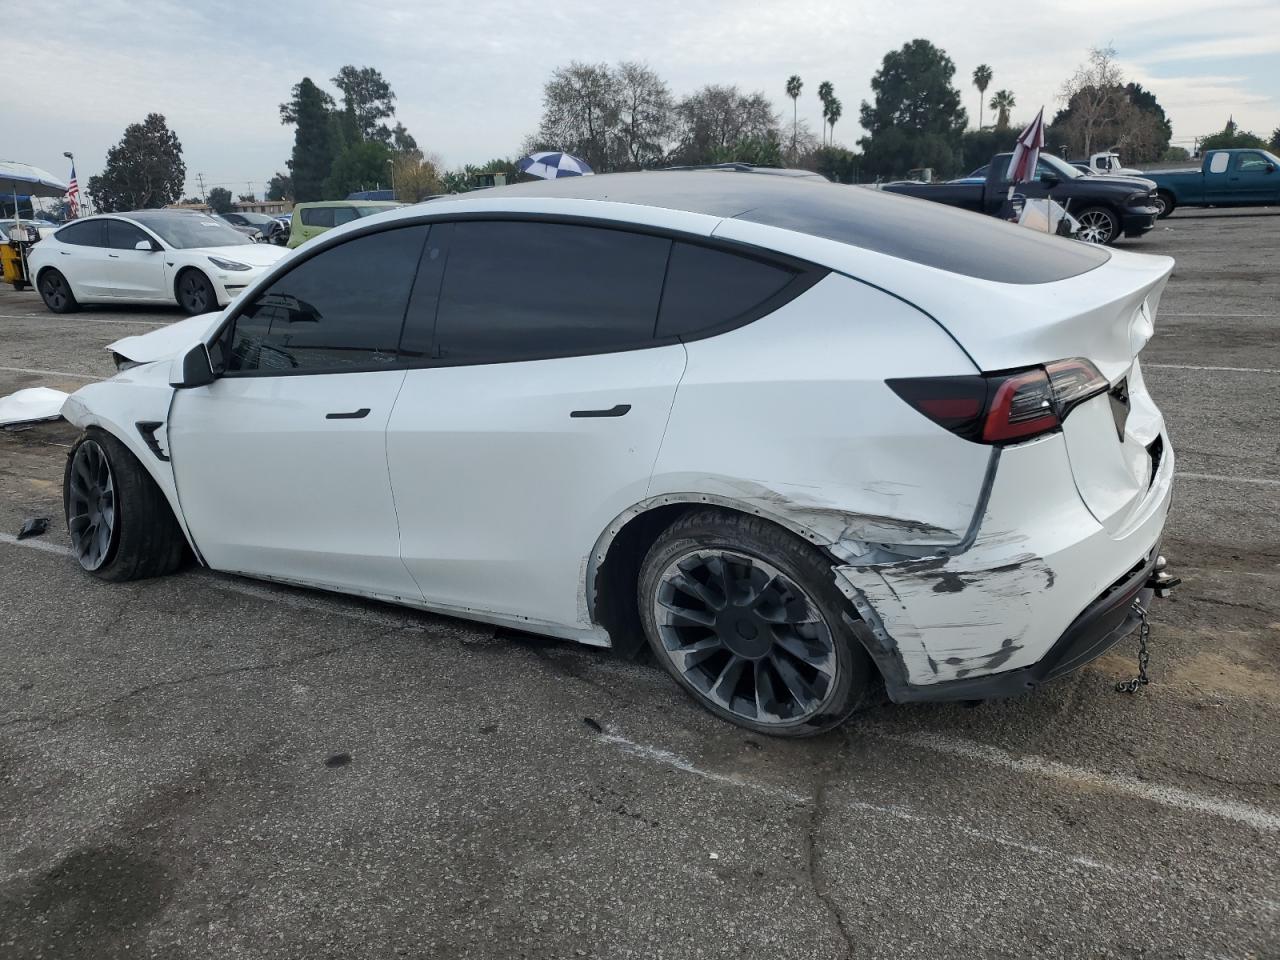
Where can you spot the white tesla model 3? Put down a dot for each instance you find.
(802, 439)
(148, 256)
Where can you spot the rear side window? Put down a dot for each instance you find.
(339, 310)
(708, 289)
(1218, 162)
(317, 216)
(124, 236)
(87, 233)
(527, 290)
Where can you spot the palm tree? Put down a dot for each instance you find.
(1002, 103)
(794, 85)
(834, 109)
(981, 78)
(826, 93)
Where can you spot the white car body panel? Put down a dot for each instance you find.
(489, 469)
(272, 486)
(470, 489)
(167, 342)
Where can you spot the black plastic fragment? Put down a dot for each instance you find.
(33, 527)
(593, 724)
(337, 760)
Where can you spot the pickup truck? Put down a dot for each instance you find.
(1226, 178)
(1106, 207)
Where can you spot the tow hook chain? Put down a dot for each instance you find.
(1144, 655)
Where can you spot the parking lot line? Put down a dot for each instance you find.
(1242, 813)
(1192, 366)
(52, 373)
(1233, 316)
(54, 316)
(1219, 478)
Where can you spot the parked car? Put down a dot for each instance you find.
(253, 233)
(147, 256)
(797, 437)
(270, 228)
(1226, 178)
(1105, 163)
(312, 219)
(1106, 207)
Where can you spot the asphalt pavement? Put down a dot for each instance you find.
(206, 766)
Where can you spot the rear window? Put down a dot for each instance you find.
(317, 216)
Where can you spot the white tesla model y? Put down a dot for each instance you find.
(801, 439)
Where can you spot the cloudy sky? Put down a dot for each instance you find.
(469, 76)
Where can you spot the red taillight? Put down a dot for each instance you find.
(1003, 407)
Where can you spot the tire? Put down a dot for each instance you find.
(776, 657)
(1166, 203)
(1098, 225)
(195, 292)
(142, 538)
(56, 292)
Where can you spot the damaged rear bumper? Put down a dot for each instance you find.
(1109, 619)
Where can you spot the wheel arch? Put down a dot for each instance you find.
(613, 567)
(181, 272)
(131, 436)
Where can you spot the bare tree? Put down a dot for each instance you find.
(645, 115)
(581, 104)
(716, 118)
(1096, 95)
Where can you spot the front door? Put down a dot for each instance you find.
(281, 463)
(1253, 178)
(131, 273)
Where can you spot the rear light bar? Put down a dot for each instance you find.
(1004, 407)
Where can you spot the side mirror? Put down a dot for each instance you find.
(146, 245)
(1050, 179)
(1271, 168)
(192, 369)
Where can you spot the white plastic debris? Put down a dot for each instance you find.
(31, 406)
(1046, 215)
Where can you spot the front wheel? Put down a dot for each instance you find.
(56, 292)
(195, 292)
(1098, 225)
(747, 619)
(1164, 203)
(120, 523)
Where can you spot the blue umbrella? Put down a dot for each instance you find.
(551, 166)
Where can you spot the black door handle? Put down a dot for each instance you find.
(353, 415)
(620, 410)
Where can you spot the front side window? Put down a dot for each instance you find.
(519, 290)
(1251, 162)
(86, 233)
(337, 311)
(124, 236)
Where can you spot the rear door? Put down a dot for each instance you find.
(83, 258)
(281, 463)
(535, 412)
(130, 273)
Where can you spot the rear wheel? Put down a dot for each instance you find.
(120, 523)
(1098, 225)
(56, 292)
(195, 292)
(1164, 203)
(748, 620)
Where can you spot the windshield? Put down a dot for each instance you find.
(183, 231)
(1055, 165)
(258, 218)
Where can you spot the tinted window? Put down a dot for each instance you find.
(87, 233)
(709, 288)
(317, 216)
(339, 310)
(124, 236)
(525, 290)
(1251, 162)
(343, 215)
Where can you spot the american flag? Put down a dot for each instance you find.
(73, 194)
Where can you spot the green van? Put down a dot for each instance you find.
(312, 219)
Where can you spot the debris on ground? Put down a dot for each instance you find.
(33, 527)
(31, 405)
